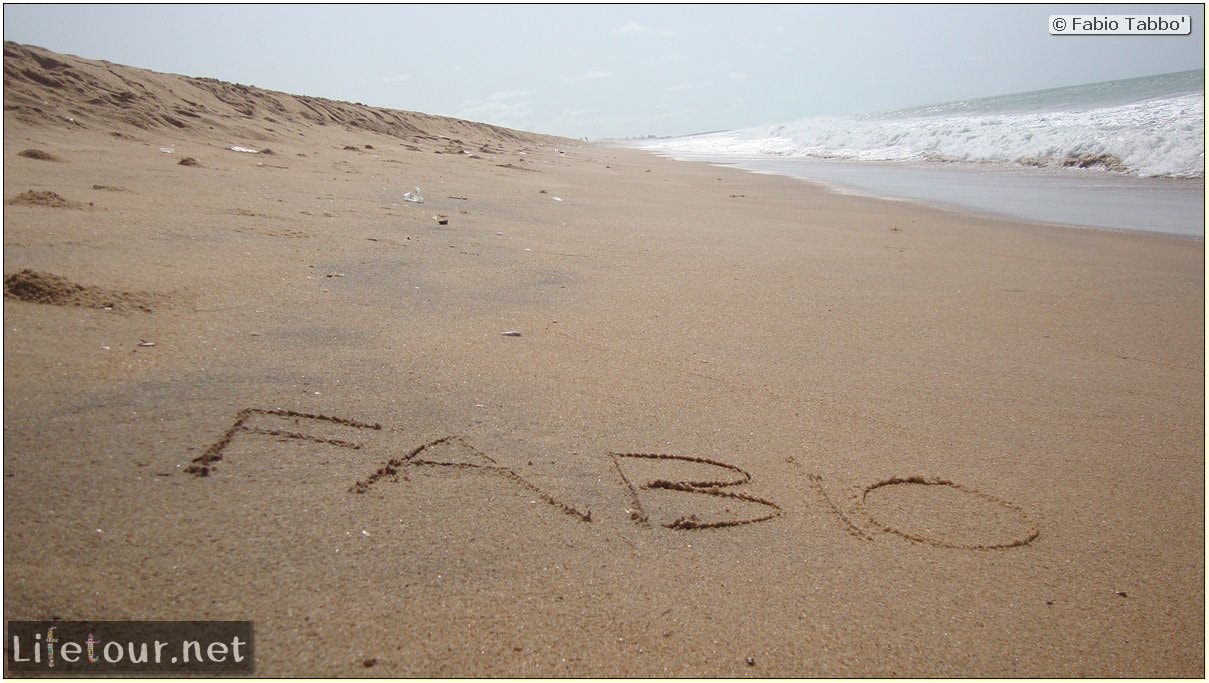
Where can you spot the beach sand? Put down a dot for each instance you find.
(905, 442)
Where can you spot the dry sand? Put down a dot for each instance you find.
(961, 446)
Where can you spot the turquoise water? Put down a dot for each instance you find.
(1070, 98)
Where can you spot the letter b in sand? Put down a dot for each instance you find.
(682, 492)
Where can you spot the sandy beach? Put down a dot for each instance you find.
(417, 439)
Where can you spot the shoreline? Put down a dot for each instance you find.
(617, 415)
(1174, 205)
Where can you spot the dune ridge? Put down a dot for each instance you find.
(47, 88)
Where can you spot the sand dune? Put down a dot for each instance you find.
(50, 89)
(683, 421)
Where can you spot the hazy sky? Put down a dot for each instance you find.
(617, 70)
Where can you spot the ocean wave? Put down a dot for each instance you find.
(1162, 136)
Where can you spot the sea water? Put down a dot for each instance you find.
(1127, 154)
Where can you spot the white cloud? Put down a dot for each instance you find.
(687, 86)
(509, 94)
(501, 108)
(590, 76)
(631, 27)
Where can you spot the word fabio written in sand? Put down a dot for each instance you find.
(677, 492)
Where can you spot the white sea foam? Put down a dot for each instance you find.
(1158, 136)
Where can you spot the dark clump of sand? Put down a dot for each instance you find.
(47, 288)
(37, 154)
(43, 198)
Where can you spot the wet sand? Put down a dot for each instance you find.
(1092, 199)
(896, 441)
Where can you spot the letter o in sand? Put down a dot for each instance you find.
(944, 514)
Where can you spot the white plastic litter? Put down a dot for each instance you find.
(557, 199)
(245, 150)
(417, 197)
